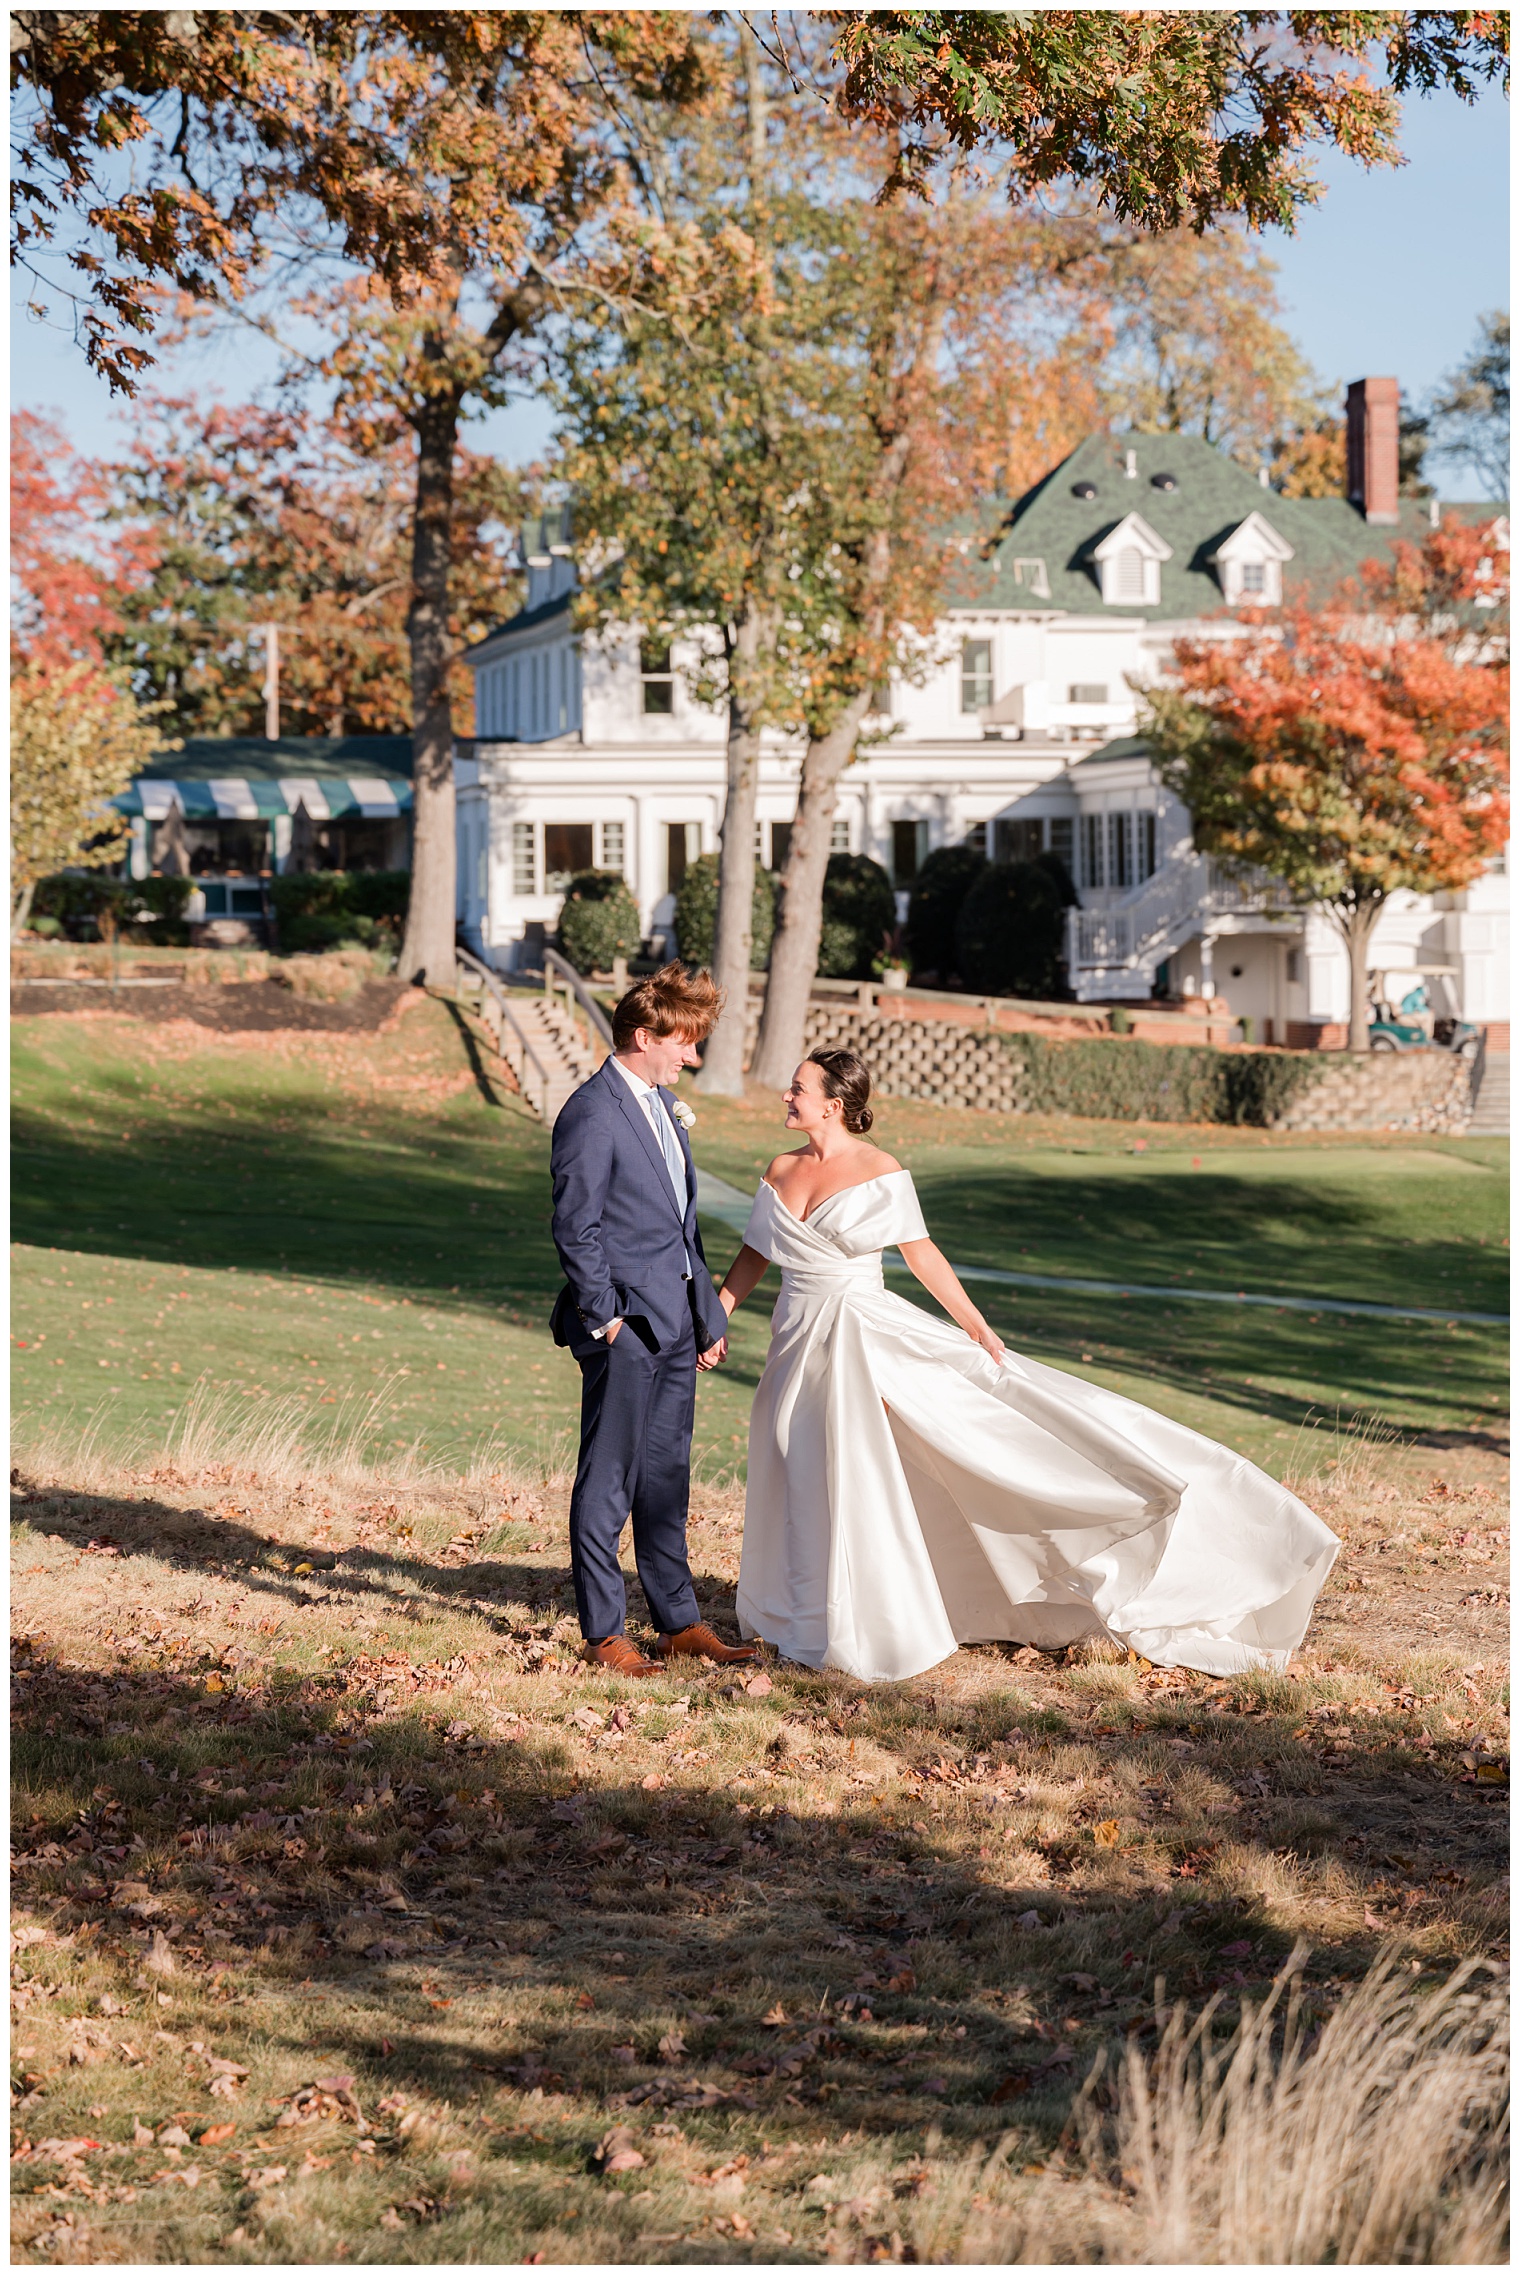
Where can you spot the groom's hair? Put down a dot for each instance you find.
(671, 1001)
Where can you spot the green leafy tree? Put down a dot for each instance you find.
(1175, 117)
(77, 738)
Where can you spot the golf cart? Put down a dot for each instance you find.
(1404, 1018)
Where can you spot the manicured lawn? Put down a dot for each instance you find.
(328, 1218)
(341, 1219)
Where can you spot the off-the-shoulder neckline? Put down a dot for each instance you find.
(883, 1177)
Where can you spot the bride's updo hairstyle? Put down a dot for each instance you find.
(848, 1079)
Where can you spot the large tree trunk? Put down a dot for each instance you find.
(794, 951)
(1355, 925)
(427, 947)
(723, 1063)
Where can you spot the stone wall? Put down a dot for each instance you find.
(952, 1065)
(1417, 1090)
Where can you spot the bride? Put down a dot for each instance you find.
(914, 1486)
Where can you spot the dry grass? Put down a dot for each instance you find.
(335, 976)
(310, 1786)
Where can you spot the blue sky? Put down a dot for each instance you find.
(1388, 274)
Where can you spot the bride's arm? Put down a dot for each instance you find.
(742, 1278)
(932, 1271)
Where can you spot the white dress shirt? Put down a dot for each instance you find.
(662, 1131)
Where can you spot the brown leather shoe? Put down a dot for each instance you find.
(699, 1642)
(620, 1656)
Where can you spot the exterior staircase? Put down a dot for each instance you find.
(547, 1040)
(1491, 1096)
(1116, 950)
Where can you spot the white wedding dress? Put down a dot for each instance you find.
(907, 1494)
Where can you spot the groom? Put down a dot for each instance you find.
(640, 1315)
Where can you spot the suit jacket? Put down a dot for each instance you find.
(624, 1241)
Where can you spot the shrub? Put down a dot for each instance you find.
(1010, 938)
(598, 920)
(697, 914)
(334, 977)
(331, 908)
(1159, 1082)
(939, 890)
(147, 911)
(859, 914)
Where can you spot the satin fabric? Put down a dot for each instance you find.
(907, 1494)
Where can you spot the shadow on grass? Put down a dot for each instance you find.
(888, 1970)
(192, 1541)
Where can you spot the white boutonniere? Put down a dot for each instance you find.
(683, 1113)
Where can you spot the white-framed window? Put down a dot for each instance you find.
(1253, 576)
(1121, 851)
(1145, 846)
(1029, 571)
(976, 675)
(612, 841)
(658, 678)
(525, 859)
(839, 835)
(1295, 967)
(1092, 850)
(1087, 691)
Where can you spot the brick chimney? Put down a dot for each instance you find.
(1372, 448)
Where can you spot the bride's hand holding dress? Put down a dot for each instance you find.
(914, 1486)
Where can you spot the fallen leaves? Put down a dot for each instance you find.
(331, 2097)
(615, 2152)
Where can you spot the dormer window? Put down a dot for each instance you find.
(1129, 564)
(1250, 562)
(659, 680)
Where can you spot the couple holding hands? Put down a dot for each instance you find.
(913, 1485)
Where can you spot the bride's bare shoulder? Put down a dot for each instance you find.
(883, 1164)
(781, 1166)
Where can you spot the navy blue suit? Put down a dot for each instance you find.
(630, 1252)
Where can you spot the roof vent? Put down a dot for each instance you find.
(1163, 481)
(1084, 489)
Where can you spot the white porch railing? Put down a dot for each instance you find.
(1143, 930)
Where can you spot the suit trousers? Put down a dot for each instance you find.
(637, 1410)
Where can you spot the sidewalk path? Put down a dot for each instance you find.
(731, 1207)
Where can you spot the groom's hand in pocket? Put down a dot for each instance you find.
(714, 1355)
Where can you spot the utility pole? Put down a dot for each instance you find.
(272, 682)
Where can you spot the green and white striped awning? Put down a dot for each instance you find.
(368, 797)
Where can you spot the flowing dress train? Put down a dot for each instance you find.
(907, 1494)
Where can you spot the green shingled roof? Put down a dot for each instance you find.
(1330, 540)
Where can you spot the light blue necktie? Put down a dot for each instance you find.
(666, 1136)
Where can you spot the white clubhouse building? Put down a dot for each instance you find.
(589, 752)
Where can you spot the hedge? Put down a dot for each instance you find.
(859, 916)
(696, 914)
(1010, 936)
(598, 921)
(149, 911)
(944, 879)
(331, 908)
(1159, 1082)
